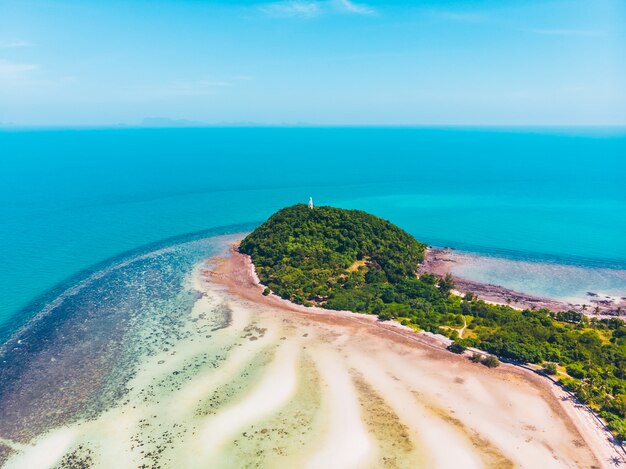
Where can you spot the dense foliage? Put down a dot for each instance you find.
(350, 260)
(308, 255)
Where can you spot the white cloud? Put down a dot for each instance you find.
(313, 8)
(12, 69)
(356, 8)
(564, 32)
(13, 44)
(293, 8)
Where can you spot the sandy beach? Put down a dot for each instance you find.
(255, 381)
(496, 418)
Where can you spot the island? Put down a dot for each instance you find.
(350, 260)
(337, 355)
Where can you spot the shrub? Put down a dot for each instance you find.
(385, 316)
(616, 425)
(456, 347)
(266, 291)
(576, 371)
(491, 361)
(476, 357)
(550, 368)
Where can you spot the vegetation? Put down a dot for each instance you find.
(550, 369)
(490, 361)
(456, 347)
(314, 255)
(350, 260)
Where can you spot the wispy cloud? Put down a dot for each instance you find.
(356, 8)
(313, 8)
(564, 32)
(12, 69)
(14, 44)
(292, 8)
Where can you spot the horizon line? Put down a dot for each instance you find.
(11, 126)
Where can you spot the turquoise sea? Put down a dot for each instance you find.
(73, 202)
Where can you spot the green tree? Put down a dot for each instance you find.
(446, 284)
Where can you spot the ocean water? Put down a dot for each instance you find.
(75, 201)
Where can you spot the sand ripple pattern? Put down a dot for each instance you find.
(250, 386)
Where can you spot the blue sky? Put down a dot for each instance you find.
(327, 62)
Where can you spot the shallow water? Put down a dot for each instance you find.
(149, 364)
(82, 349)
(70, 199)
(568, 283)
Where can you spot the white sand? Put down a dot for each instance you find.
(417, 418)
(187, 410)
(47, 453)
(347, 444)
(275, 389)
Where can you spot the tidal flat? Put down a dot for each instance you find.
(201, 370)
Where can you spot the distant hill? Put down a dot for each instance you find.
(167, 122)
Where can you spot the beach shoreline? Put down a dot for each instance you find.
(240, 378)
(236, 273)
(444, 261)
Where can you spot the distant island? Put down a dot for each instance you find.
(350, 260)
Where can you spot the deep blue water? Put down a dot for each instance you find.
(70, 199)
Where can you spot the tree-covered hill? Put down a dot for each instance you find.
(307, 255)
(350, 260)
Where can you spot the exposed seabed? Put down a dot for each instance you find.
(157, 365)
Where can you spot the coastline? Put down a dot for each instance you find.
(225, 376)
(443, 261)
(236, 273)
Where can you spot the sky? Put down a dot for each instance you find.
(313, 62)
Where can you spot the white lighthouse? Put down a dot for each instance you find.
(311, 203)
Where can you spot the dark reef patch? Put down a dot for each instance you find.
(74, 361)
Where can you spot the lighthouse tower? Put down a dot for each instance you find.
(311, 203)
